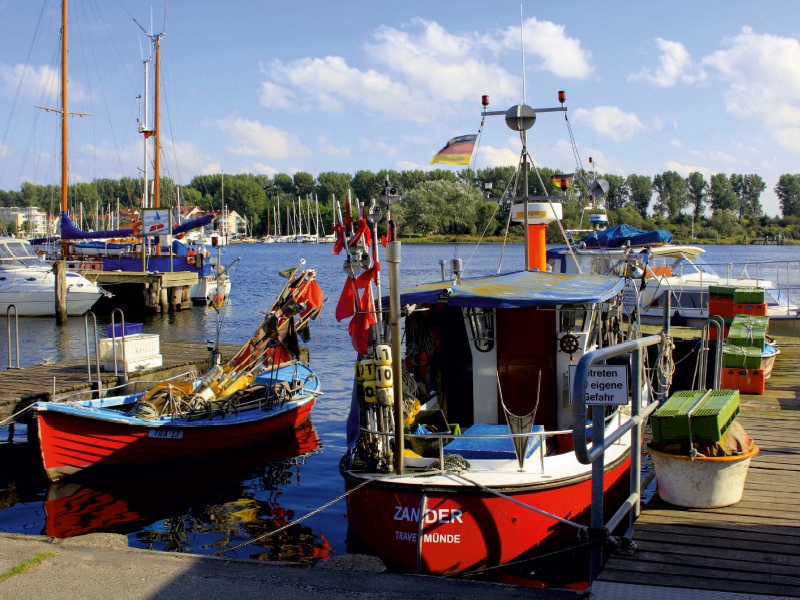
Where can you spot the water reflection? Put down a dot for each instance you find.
(198, 506)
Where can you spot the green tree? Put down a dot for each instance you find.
(500, 178)
(788, 191)
(698, 190)
(748, 190)
(303, 183)
(332, 184)
(641, 191)
(618, 192)
(436, 207)
(366, 186)
(720, 193)
(284, 183)
(673, 194)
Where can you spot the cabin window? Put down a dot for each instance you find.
(18, 250)
(573, 318)
(481, 325)
(4, 253)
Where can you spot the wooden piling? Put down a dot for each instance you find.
(60, 272)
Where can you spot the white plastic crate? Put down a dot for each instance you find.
(133, 365)
(137, 347)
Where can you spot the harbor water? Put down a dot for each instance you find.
(223, 500)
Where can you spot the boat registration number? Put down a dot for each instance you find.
(170, 434)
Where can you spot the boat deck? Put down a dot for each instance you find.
(20, 388)
(752, 547)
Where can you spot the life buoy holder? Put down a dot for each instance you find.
(191, 259)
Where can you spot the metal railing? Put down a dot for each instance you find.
(595, 456)
(16, 334)
(443, 438)
(99, 382)
(124, 378)
(702, 356)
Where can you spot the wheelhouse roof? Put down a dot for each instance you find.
(515, 290)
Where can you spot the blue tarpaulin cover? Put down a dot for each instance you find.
(491, 448)
(514, 290)
(70, 232)
(618, 236)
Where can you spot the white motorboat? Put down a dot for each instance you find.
(679, 270)
(28, 283)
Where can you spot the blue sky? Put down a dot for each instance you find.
(271, 87)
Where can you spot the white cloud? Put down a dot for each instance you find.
(42, 84)
(255, 138)
(407, 165)
(610, 121)
(421, 71)
(676, 143)
(686, 169)
(675, 65)
(657, 124)
(719, 156)
(273, 96)
(764, 75)
(557, 53)
(381, 146)
(264, 169)
(497, 157)
(331, 150)
(448, 67)
(327, 83)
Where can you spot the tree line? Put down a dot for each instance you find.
(446, 202)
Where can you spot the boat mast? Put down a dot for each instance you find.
(64, 113)
(145, 131)
(157, 126)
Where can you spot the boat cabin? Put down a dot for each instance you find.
(481, 343)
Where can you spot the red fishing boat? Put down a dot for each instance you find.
(479, 401)
(262, 390)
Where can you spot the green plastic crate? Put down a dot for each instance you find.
(741, 357)
(753, 295)
(751, 322)
(746, 337)
(710, 419)
(721, 291)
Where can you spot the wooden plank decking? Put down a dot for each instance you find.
(751, 547)
(29, 384)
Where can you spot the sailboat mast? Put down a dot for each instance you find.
(157, 128)
(145, 131)
(64, 113)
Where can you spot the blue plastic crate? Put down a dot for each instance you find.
(490, 448)
(130, 329)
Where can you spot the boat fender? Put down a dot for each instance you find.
(370, 392)
(383, 355)
(71, 249)
(367, 367)
(386, 396)
(206, 394)
(383, 376)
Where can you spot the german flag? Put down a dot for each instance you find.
(458, 151)
(563, 181)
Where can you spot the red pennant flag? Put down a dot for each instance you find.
(347, 301)
(340, 241)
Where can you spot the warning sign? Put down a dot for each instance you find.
(605, 385)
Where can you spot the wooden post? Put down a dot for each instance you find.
(60, 272)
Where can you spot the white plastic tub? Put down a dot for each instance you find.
(705, 482)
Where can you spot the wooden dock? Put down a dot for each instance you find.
(752, 547)
(156, 292)
(20, 388)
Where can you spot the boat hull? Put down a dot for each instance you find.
(73, 442)
(466, 529)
